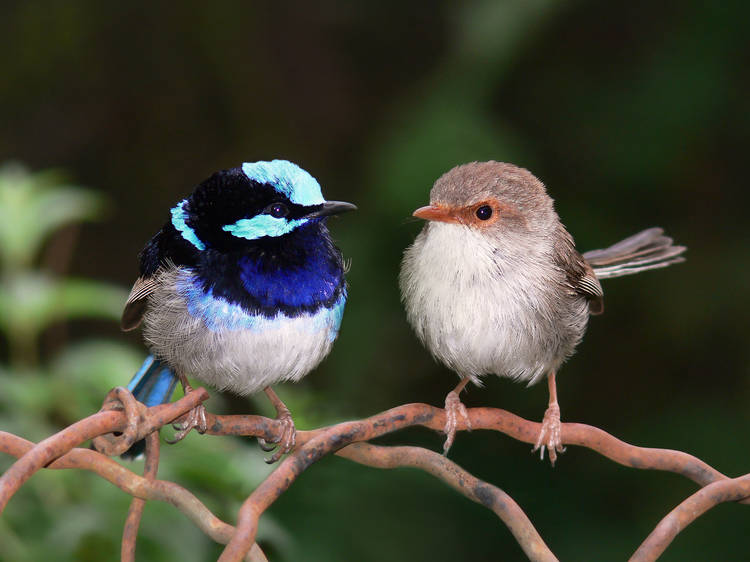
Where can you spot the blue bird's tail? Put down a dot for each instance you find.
(152, 385)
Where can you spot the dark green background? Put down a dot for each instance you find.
(633, 114)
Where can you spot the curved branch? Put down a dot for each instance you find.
(493, 419)
(313, 445)
(459, 479)
(133, 520)
(730, 490)
(130, 421)
(103, 422)
(136, 486)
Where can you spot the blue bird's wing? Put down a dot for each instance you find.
(136, 303)
(153, 384)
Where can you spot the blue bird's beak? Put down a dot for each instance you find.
(331, 208)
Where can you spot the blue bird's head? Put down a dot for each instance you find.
(254, 202)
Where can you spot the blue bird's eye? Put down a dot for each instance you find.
(484, 212)
(277, 210)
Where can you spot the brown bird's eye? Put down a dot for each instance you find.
(484, 212)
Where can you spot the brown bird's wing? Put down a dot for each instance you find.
(589, 286)
(136, 303)
(579, 274)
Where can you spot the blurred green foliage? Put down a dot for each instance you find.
(633, 115)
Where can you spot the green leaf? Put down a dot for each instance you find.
(33, 206)
(30, 302)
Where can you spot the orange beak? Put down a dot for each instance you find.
(435, 213)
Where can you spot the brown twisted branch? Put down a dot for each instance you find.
(457, 478)
(729, 490)
(133, 520)
(104, 422)
(131, 421)
(493, 419)
(136, 486)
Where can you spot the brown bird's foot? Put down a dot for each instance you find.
(549, 436)
(454, 408)
(195, 418)
(288, 437)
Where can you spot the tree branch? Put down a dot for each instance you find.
(730, 490)
(123, 421)
(459, 479)
(136, 486)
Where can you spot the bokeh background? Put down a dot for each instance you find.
(634, 114)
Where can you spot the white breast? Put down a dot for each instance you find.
(222, 345)
(481, 310)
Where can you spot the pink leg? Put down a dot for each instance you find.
(550, 426)
(196, 418)
(454, 408)
(288, 432)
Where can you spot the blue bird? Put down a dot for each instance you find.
(242, 288)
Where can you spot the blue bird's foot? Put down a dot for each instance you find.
(194, 419)
(454, 408)
(288, 437)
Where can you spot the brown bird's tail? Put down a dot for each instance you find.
(648, 249)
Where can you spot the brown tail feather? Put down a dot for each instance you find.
(648, 249)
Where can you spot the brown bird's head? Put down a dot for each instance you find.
(493, 197)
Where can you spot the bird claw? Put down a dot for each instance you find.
(551, 427)
(287, 439)
(453, 408)
(195, 419)
(264, 446)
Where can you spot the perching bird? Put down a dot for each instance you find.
(242, 288)
(493, 284)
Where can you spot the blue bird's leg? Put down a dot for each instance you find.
(196, 418)
(288, 437)
(152, 385)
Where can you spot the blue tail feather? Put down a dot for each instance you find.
(153, 384)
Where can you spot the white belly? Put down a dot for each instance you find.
(222, 345)
(479, 314)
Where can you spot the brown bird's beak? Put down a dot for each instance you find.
(435, 213)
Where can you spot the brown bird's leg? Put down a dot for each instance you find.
(288, 432)
(453, 408)
(196, 418)
(550, 426)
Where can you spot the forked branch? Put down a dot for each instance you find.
(124, 421)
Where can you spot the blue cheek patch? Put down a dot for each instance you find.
(178, 221)
(288, 178)
(262, 225)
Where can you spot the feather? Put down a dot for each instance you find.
(136, 303)
(648, 249)
(153, 384)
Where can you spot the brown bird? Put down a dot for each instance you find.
(493, 283)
